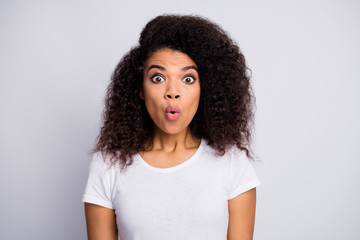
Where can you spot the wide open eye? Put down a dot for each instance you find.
(157, 78)
(189, 79)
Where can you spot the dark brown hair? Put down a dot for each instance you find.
(225, 113)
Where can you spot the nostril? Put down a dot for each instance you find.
(170, 96)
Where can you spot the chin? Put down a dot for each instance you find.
(172, 130)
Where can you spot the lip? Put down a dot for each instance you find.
(172, 113)
(174, 109)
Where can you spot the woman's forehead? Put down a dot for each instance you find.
(170, 58)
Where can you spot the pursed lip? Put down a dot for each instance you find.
(172, 113)
(172, 109)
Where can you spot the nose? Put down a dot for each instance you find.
(172, 96)
(172, 92)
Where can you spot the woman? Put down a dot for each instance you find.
(172, 158)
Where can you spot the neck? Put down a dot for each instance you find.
(174, 142)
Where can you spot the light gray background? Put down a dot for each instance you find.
(56, 58)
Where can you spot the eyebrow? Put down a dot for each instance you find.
(164, 69)
(189, 67)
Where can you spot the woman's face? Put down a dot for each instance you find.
(171, 90)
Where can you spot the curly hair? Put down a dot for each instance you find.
(225, 114)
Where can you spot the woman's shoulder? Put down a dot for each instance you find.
(231, 152)
(102, 161)
(233, 158)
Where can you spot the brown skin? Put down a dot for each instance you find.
(242, 216)
(100, 222)
(170, 79)
(169, 84)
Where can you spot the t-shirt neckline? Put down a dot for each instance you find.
(174, 168)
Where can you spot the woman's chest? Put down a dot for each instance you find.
(180, 202)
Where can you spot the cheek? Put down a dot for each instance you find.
(152, 99)
(196, 95)
(193, 100)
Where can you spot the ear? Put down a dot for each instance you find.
(141, 95)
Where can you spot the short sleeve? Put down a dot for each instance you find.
(242, 174)
(98, 187)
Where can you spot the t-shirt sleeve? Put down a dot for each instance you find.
(98, 187)
(242, 175)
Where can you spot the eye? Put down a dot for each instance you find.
(189, 79)
(157, 78)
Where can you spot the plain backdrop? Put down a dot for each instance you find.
(56, 59)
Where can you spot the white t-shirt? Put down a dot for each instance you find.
(186, 202)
